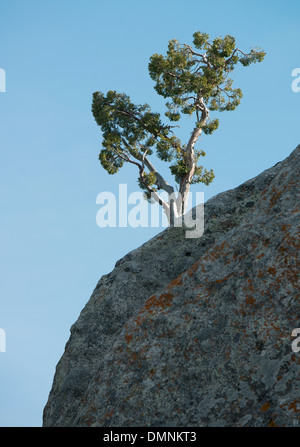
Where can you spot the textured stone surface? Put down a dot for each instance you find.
(195, 332)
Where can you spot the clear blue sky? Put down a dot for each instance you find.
(56, 54)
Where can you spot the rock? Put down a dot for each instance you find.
(195, 332)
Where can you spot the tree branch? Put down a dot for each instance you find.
(203, 56)
(190, 159)
(224, 91)
(161, 182)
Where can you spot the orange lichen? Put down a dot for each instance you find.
(176, 282)
(188, 318)
(250, 300)
(108, 415)
(216, 251)
(193, 269)
(265, 407)
(271, 270)
(272, 424)
(150, 302)
(128, 337)
(218, 281)
(275, 197)
(152, 372)
(164, 300)
(293, 407)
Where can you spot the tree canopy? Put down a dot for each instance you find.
(195, 81)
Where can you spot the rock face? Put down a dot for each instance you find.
(195, 332)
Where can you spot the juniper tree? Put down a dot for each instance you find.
(195, 81)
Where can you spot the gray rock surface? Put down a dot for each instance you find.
(195, 332)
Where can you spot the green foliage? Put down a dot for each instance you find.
(149, 180)
(184, 75)
(129, 130)
(201, 176)
(179, 170)
(195, 81)
(209, 128)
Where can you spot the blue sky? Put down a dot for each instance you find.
(55, 55)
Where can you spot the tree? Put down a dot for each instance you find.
(196, 81)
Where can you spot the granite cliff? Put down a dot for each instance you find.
(195, 332)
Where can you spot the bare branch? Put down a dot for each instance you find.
(224, 91)
(235, 51)
(125, 157)
(161, 182)
(203, 56)
(155, 195)
(192, 51)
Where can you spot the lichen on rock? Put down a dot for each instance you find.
(195, 332)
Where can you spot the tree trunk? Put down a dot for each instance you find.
(190, 159)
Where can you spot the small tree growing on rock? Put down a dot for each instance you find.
(196, 81)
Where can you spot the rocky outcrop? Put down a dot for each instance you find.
(195, 332)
